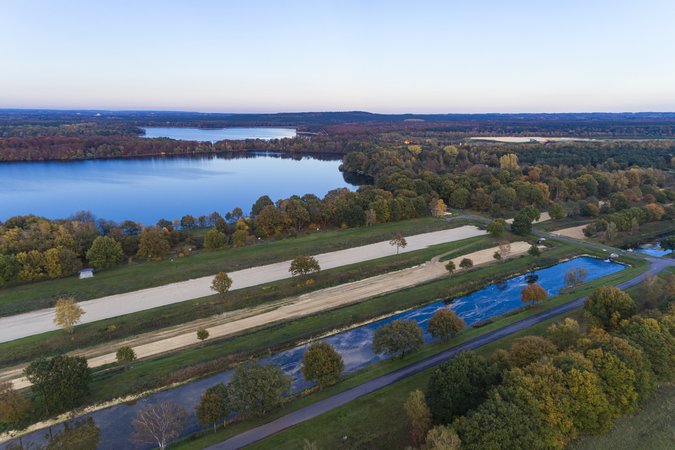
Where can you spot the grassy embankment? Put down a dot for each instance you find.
(366, 423)
(378, 420)
(27, 297)
(110, 330)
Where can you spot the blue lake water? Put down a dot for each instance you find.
(653, 250)
(215, 135)
(115, 423)
(149, 189)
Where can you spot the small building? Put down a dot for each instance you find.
(86, 273)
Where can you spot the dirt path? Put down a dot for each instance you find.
(573, 232)
(237, 322)
(36, 322)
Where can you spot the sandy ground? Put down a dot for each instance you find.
(543, 217)
(41, 321)
(525, 139)
(237, 322)
(573, 232)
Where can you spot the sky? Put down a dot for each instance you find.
(452, 56)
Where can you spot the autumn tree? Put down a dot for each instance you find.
(533, 294)
(607, 306)
(256, 389)
(221, 283)
(438, 208)
(556, 212)
(59, 382)
(656, 341)
(13, 405)
(125, 355)
(153, 244)
(504, 249)
(398, 338)
(450, 266)
(304, 265)
(399, 242)
(442, 437)
(322, 364)
(445, 324)
(466, 263)
(459, 385)
(509, 162)
(497, 227)
(105, 252)
(564, 334)
(214, 405)
(419, 417)
(214, 239)
(529, 349)
(159, 424)
(67, 313)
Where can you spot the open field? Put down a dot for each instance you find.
(27, 297)
(650, 428)
(40, 321)
(573, 232)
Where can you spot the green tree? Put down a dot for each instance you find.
(459, 385)
(214, 405)
(445, 324)
(533, 294)
(419, 417)
(450, 267)
(60, 382)
(398, 338)
(153, 244)
(564, 334)
(465, 263)
(442, 437)
(221, 283)
(202, 334)
(322, 364)
(105, 252)
(556, 212)
(522, 223)
(125, 355)
(214, 239)
(497, 227)
(608, 305)
(304, 266)
(260, 204)
(256, 389)
(655, 340)
(617, 379)
(9, 269)
(534, 250)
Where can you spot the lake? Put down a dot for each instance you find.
(149, 189)
(215, 135)
(355, 346)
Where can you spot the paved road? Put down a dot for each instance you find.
(331, 403)
(41, 321)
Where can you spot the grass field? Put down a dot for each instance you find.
(382, 407)
(116, 328)
(27, 297)
(652, 427)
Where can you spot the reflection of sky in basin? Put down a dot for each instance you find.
(354, 345)
(653, 250)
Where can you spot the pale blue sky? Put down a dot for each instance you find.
(381, 56)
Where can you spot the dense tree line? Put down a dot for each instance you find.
(545, 391)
